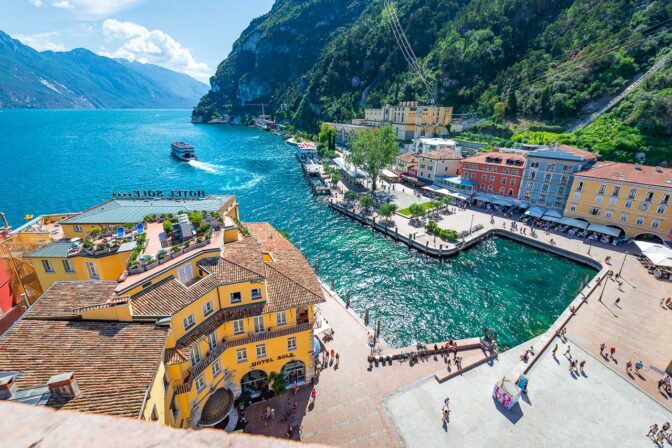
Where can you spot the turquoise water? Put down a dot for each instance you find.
(57, 161)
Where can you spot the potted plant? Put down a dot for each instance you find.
(150, 262)
(134, 267)
(162, 256)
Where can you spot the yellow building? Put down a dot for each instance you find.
(409, 120)
(634, 199)
(176, 343)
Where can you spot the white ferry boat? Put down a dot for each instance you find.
(183, 151)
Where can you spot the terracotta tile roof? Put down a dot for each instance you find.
(579, 152)
(408, 157)
(441, 154)
(245, 253)
(114, 363)
(626, 172)
(482, 158)
(63, 299)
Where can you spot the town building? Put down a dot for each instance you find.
(407, 164)
(549, 172)
(180, 338)
(409, 120)
(346, 131)
(634, 199)
(495, 172)
(438, 163)
(429, 144)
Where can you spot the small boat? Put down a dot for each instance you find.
(27, 217)
(183, 151)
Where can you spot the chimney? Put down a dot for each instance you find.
(638, 166)
(63, 386)
(7, 387)
(659, 169)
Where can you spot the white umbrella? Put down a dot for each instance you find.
(662, 260)
(653, 248)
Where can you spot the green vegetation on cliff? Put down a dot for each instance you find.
(549, 61)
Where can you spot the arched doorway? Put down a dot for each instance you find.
(294, 373)
(650, 237)
(623, 232)
(254, 383)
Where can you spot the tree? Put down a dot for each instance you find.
(387, 210)
(417, 210)
(350, 196)
(447, 200)
(278, 384)
(366, 201)
(336, 177)
(512, 104)
(327, 138)
(373, 150)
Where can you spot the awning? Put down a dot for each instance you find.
(493, 199)
(648, 247)
(536, 212)
(553, 214)
(351, 171)
(599, 228)
(389, 174)
(432, 188)
(550, 218)
(574, 223)
(662, 260)
(460, 196)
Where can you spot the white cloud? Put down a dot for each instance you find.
(36, 3)
(152, 46)
(42, 41)
(61, 4)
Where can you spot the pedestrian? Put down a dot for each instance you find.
(628, 366)
(660, 438)
(272, 414)
(294, 405)
(666, 426)
(616, 302)
(567, 353)
(313, 395)
(555, 349)
(446, 402)
(612, 351)
(652, 430)
(446, 416)
(602, 347)
(338, 358)
(581, 365)
(332, 353)
(638, 367)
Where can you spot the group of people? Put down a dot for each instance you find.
(575, 366)
(445, 410)
(665, 385)
(659, 435)
(607, 355)
(666, 304)
(330, 358)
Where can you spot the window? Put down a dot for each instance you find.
(256, 293)
(492, 178)
(527, 195)
(241, 355)
(238, 326)
(200, 383)
(616, 192)
(534, 165)
(544, 188)
(572, 207)
(490, 188)
(547, 177)
(501, 190)
(77, 228)
(514, 172)
(207, 308)
(258, 324)
(542, 198)
(473, 176)
(649, 196)
(261, 351)
(510, 191)
(506, 171)
(577, 195)
(235, 297)
(644, 206)
(558, 200)
(563, 179)
(503, 180)
(613, 201)
(579, 186)
(185, 274)
(281, 318)
(216, 368)
(188, 322)
(484, 177)
(655, 223)
(46, 264)
(628, 204)
(595, 211)
(632, 194)
(93, 271)
(665, 199)
(640, 221)
(561, 190)
(608, 213)
(624, 217)
(291, 343)
(195, 355)
(602, 189)
(661, 209)
(598, 199)
(513, 181)
(212, 340)
(67, 265)
(533, 175)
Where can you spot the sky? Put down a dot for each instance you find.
(188, 36)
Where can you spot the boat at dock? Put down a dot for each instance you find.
(183, 151)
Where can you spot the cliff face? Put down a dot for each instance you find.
(274, 53)
(550, 61)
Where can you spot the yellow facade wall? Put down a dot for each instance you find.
(156, 404)
(624, 211)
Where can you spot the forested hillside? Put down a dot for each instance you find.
(545, 62)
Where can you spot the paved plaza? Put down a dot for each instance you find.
(560, 410)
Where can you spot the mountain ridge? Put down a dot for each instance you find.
(81, 79)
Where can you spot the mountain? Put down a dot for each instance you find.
(538, 64)
(80, 79)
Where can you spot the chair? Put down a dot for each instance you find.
(140, 229)
(120, 232)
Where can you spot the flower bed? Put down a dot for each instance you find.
(444, 234)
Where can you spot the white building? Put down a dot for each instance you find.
(429, 144)
(435, 164)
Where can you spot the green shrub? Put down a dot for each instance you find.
(445, 234)
(167, 226)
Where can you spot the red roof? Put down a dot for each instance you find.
(579, 152)
(504, 156)
(627, 172)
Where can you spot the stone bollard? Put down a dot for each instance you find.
(347, 301)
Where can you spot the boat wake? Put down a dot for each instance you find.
(208, 167)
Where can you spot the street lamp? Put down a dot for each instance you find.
(605, 279)
(471, 225)
(622, 264)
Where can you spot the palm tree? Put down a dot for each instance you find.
(278, 384)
